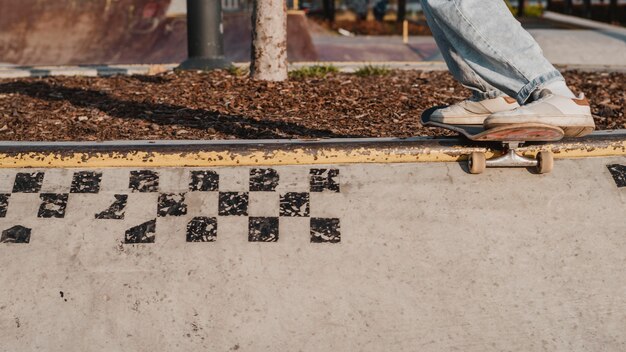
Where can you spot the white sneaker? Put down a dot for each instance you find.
(470, 112)
(572, 115)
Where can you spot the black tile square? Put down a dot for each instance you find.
(324, 179)
(4, 204)
(204, 181)
(263, 229)
(28, 182)
(116, 210)
(202, 229)
(263, 180)
(86, 182)
(294, 204)
(16, 234)
(171, 204)
(325, 230)
(52, 205)
(233, 203)
(143, 233)
(618, 172)
(144, 181)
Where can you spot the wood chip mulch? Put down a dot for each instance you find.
(221, 105)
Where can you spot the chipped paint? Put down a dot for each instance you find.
(287, 152)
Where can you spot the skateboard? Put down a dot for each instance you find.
(511, 138)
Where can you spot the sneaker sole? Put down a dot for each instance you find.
(576, 131)
(580, 129)
(570, 131)
(465, 120)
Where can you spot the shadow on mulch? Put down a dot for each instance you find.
(164, 114)
(151, 79)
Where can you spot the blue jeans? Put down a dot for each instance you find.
(486, 48)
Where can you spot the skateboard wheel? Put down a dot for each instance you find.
(477, 163)
(545, 162)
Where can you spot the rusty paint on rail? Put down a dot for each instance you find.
(208, 154)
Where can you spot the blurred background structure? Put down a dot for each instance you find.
(80, 32)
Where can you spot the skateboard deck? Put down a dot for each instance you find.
(511, 137)
(523, 132)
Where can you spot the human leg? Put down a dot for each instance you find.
(488, 39)
(485, 99)
(457, 66)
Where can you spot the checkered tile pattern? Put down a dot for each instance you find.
(260, 201)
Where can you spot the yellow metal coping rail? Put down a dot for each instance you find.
(284, 152)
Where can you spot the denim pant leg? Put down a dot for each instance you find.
(461, 71)
(493, 44)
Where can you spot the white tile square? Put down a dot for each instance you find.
(7, 179)
(263, 204)
(232, 230)
(327, 204)
(173, 180)
(57, 181)
(201, 203)
(295, 230)
(234, 179)
(115, 180)
(23, 206)
(293, 179)
(86, 205)
(141, 207)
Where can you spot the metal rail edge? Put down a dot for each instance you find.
(286, 152)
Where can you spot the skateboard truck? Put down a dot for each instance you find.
(477, 162)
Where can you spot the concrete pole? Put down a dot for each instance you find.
(205, 32)
(269, 40)
(405, 32)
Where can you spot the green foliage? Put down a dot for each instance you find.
(535, 10)
(315, 71)
(371, 70)
(237, 70)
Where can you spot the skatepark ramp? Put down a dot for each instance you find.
(78, 32)
(322, 245)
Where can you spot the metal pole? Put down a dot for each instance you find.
(587, 8)
(329, 10)
(568, 7)
(204, 36)
(614, 17)
(401, 15)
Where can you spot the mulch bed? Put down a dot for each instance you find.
(220, 105)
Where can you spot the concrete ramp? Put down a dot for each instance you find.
(310, 246)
